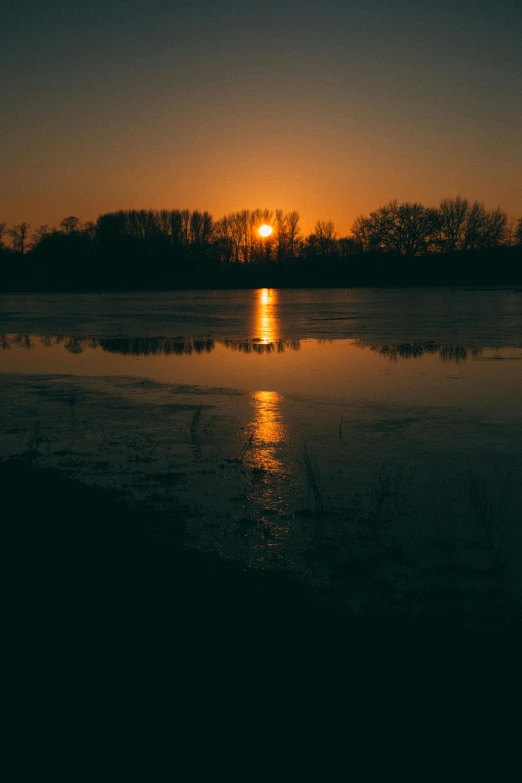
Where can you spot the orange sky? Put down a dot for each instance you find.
(330, 110)
(338, 186)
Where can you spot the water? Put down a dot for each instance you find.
(485, 317)
(302, 429)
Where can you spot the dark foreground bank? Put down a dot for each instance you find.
(128, 659)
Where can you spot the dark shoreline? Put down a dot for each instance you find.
(291, 286)
(101, 271)
(136, 659)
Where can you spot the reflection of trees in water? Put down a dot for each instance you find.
(149, 346)
(457, 353)
(164, 346)
(254, 346)
(446, 353)
(73, 345)
(156, 346)
(23, 340)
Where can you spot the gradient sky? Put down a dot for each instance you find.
(329, 108)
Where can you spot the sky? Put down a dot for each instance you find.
(330, 108)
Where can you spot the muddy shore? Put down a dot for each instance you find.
(131, 658)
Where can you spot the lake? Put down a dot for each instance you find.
(367, 440)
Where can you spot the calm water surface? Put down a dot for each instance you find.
(397, 398)
(488, 317)
(444, 347)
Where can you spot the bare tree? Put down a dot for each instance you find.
(223, 237)
(517, 234)
(324, 236)
(180, 227)
(347, 246)
(39, 234)
(20, 235)
(89, 229)
(412, 229)
(262, 248)
(406, 228)
(294, 233)
(237, 226)
(475, 220)
(282, 234)
(238, 233)
(3, 232)
(363, 234)
(417, 227)
(465, 226)
(453, 215)
(494, 229)
(71, 224)
(201, 227)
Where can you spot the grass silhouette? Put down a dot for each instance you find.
(130, 657)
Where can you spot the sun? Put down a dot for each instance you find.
(265, 230)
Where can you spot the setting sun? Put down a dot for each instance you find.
(265, 230)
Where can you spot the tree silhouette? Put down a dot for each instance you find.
(239, 239)
(71, 224)
(294, 233)
(282, 234)
(364, 236)
(20, 237)
(453, 215)
(461, 242)
(494, 229)
(323, 237)
(412, 229)
(465, 226)
(40, 234)
(407, 229)
(518, 232)
(89, 229)
(417, 225)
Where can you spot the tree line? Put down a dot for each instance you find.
(400, 243)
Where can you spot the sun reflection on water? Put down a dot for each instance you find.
(269, 430)
(266, 322)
